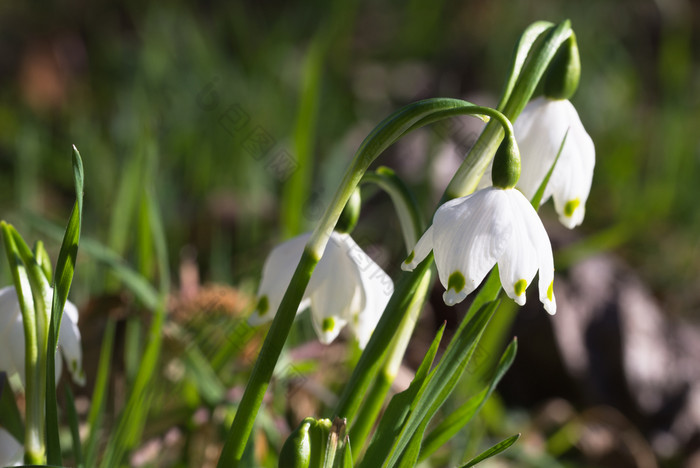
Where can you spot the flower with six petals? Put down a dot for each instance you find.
(492, 226)
(539, 131)
(346, 287)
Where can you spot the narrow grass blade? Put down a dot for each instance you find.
(453, 423)
(495, 450)
(74, 428)
(400, 407)
(65, 268)
(438, 387)
(99, 394)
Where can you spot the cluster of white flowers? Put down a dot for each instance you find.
(493, 226)
(469, 235)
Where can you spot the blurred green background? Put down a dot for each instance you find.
(243, 115)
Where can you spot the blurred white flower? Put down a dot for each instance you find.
(471, 234)
(347, 287)
(539, 131)
(11, 451)
(12, 338)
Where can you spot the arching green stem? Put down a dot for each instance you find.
(469, 173)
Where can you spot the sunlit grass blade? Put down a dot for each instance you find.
(74, 428)
(65, 268)
(459, 418)
(298, 186)
(375, 351)
(440, 384)
(132, 419)
(43, 259)
(495, 450)
(399, 408)
(99, 394)
(10, 418)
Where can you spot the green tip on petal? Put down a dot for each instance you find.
(456, 281)
(571, 206)
(550, 291)
(410, 257)
(520, 286)
(328, 324)
(263, 306)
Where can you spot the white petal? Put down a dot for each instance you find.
(69, 343)
(10, 324)
(540, 130)
(573, 175)
(11, 452)
(14, 344)
(334, 288)
(543, 248)
(9, 307)
(469, 236)
(277, 273)
(420, 251)
(377, 289)
(518, 264)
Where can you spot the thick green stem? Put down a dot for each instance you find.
(366, 417)
(34, 448)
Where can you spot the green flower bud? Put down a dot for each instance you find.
(296, 451)
(351, 213)
(561, 79)
(506, 164)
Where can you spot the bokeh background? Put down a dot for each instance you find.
(241, 117)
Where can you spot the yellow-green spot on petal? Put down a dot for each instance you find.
(456, 281)
(550, 291)
(520, 286)
(263, 306)
(328, 324)
(571, 206)
(410, 257)
(74, 365)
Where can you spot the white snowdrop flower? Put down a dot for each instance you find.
(492, 226)
(346, 287)
(11, 451)
(539, 131)
(12, 338)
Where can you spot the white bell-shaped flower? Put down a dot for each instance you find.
(11, 451)
(492, 226)
(346, 287)
(539, 131)
(12, 338)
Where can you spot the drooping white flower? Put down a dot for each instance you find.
(12, 338)
(347, 287)
(539, 131)
(11, 451)
(492, 226)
